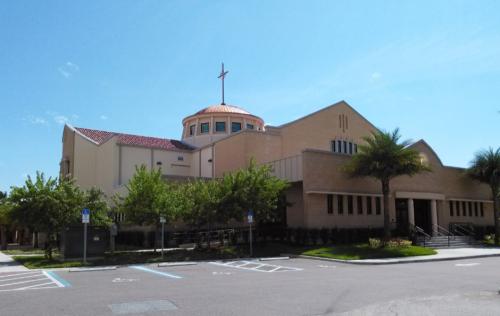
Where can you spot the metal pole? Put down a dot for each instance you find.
(85, 243)
(162, 238)
(251, 248)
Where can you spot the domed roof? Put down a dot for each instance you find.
(223, 108)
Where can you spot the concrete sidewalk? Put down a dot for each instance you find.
(7, 264)
(442, 255)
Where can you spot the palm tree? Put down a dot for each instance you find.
(485, 168)
(384, 157)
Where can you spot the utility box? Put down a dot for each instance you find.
(72, 241)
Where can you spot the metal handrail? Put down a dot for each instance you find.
(464, 230)
(419, 231)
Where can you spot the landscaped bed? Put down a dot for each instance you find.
(364, 251)
(344, 252)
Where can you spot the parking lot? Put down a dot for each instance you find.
(251, 287)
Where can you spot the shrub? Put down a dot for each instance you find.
(324, 235)
(374, 243)
(397, 243)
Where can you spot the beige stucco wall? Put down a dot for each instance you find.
(323, 172)
(85, 163)
(132, 157)
(319, 129)
(68, 149)
(170, 163)
(206, 163)
(235, 152)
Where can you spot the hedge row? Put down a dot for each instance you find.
(295, 236)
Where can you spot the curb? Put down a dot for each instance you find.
(177, 264)
(361, 262)
(274, 258)
(92, 269)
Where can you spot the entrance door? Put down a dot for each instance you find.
(402, 217)
(423, 215)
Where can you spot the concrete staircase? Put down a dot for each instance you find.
(447, 241)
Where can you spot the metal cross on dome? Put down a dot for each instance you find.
(221, 77)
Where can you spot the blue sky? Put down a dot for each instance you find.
(431, 68)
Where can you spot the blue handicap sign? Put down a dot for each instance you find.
(250, 213)
(86, 211)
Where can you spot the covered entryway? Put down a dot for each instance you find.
(419, 209)
(423, 218)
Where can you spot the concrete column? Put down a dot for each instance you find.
(434, 217)
(411, 212)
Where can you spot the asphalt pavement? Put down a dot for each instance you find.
(246, 287)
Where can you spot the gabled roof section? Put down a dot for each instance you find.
(340, 103)
(424, 143)
(99, 137)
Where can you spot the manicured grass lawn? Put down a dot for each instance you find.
(345, 252)
(363, 251)
(27, 251)
(40, 262)
(123, 258)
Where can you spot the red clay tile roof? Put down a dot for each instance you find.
(133, 140)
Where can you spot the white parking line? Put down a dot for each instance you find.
(32, 280)
(261, 267)
(18, 274)
(23, 282)
(467, 264)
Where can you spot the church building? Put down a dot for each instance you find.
(308, 152)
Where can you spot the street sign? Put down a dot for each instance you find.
(86, 216)
(250, 216)
(163, 220)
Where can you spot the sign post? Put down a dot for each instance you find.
(162, 221)
(250, 221)
(85, 221)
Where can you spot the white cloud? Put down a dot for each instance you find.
(36, 120)
(375, 76)
(103, 117)
(61, 119)
(68, 69)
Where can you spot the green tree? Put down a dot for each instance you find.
(253, 188)
(49, 205)
(384, 157)
(5, 219)
(150, 197)
(485, 168)
(145, 198)
(202, 198)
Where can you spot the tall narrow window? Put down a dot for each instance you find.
(481, 209)
(350, 148)
(355, 148)
(339, 146)
(470, 209)
(204, 128)
(345, 147)
(192, 130)
(334, 146)
(476, 209)
(378, 206)
(369, 205)
(235, 127)
(329, 203)
(340, 204)
(360, 205)
(464, 208)
(457, 207)
(350, 208)
(451, 208)
(220, 126)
